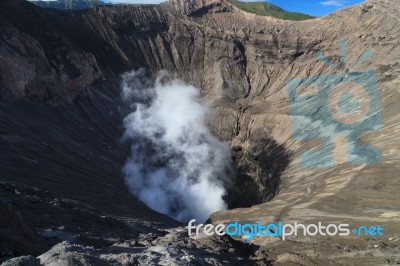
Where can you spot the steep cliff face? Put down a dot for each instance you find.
(201, 7)
(241, 62)
(38, 62)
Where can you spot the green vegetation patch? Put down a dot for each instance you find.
(270, 10)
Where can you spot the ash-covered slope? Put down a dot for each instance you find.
(60, 150)
(61, 114)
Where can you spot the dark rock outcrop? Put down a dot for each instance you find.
(37, 61)
(16, 237)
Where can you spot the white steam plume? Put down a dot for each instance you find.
(177, 166)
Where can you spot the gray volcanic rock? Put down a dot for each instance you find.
(22, 261)
(198, 7)
(175, 248)
(242, 63)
